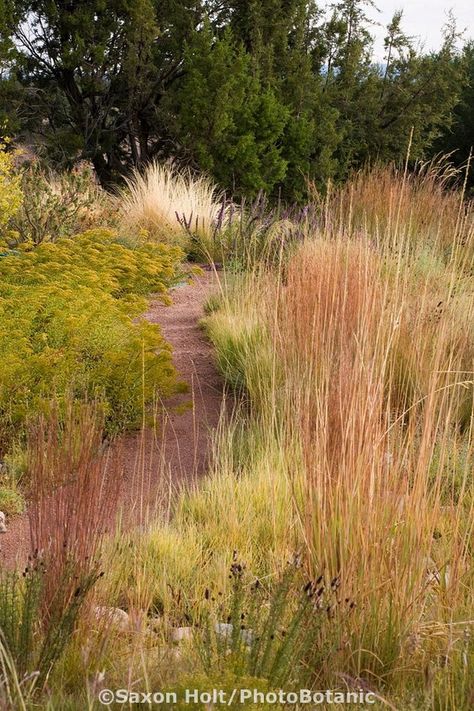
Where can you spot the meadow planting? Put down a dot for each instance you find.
(236, 355)
(330, 544)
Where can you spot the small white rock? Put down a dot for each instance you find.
(3, 523)
(114, 616)
(247, 637)
(180, 634)
(224, 629)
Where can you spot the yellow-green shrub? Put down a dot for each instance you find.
(68, 324)
(11, 195)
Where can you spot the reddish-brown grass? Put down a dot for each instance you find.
(74, 491)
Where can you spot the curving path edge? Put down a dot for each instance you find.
(157, 461)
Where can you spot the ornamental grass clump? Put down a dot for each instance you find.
(422, 211)
(74, 487)
(173, 206)
(377, 382)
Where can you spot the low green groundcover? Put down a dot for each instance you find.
(70, 326)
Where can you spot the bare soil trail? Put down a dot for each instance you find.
(159, 460)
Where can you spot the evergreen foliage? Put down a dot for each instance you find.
(261, 95)
(458, 137)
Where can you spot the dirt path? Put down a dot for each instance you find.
(159, 460)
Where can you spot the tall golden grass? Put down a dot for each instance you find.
(371, 324)
(377, 416)
(415, 211)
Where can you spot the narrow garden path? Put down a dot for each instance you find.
(159, 460)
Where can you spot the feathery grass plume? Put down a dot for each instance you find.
(173, 205)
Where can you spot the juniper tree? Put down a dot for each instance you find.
(457, 139)
(228, 121)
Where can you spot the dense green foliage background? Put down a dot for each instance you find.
(261, 95)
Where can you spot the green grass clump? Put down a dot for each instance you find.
(32, 642)
(69, 323)
(11, 501)
(248, 497)
(242, 339)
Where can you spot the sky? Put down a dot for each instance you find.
(423, 19)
